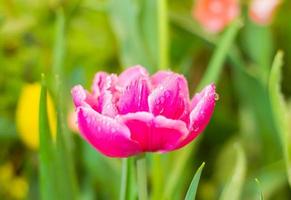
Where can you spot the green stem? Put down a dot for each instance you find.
(141, 177)
(124, 178)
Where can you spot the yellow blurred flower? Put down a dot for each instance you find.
(12, 186)
(6, 172)
(18, 188)
(27, 115)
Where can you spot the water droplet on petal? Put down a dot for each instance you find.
(216, 96)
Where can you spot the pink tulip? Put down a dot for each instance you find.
(133, 113)
(215, 15)
(262, 11)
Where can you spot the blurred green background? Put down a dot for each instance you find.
(77, 38)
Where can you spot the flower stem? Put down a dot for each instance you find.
(124, 179)
(141, 177)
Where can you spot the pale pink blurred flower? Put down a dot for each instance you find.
(215, 15)
(72, 121)
(134, 112)
(262, 11)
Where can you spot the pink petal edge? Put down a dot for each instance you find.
(154, 133)
(203, 107)
(106, 134)
(131, 74)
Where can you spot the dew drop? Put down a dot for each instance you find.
(216, 97)
(113, 130)
(99, 129)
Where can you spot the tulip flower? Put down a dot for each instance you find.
(27, 115)
(262, 11)
(134, 112)
(215, 15)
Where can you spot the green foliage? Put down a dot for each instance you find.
(48, 181)
(280, 111)
(233, 187)
(69, 41)
(191, 193)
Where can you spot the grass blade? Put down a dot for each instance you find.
(279, 109)
(63, 148)
(191, 193)
(48, 182)
(260, 190)
(233, 187)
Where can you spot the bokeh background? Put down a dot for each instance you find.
(241, 143)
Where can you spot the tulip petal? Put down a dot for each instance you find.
(107, 104)
(170, 98)
(106, 134)
(131, 74)
(203, 105)
(154, 133)
(159, 77)
(99, 83)
(135, 97)
(83, 98)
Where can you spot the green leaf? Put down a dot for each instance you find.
(260, 190)
(191, 193)
(64, 156)
(280, 110)
(272, 178)
(65, 165)
(48, 181)
(233, 187)
(177, 170)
